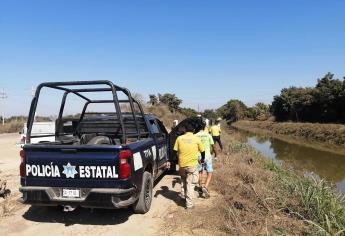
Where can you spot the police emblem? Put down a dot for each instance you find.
(69, 170)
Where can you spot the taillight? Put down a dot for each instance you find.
(22, 163)
(125, 165)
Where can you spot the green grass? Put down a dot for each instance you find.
(320, 205)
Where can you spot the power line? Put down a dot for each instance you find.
(3, 96)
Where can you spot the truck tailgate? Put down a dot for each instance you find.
(88, 166)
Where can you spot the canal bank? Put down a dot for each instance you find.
(324, 137)
(312, 161)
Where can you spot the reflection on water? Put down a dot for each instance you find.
(329, 166)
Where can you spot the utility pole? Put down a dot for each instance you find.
(3, 96)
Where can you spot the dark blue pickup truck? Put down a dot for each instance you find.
(98, 159)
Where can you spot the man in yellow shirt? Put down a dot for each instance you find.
(215, 132)
(188, 148)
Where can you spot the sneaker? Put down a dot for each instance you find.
(206, 192)
(200, 192)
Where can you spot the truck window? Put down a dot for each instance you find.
(156, 129)
(161, 127)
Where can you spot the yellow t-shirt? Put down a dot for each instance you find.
(207, 130)
(215, 130)
(188, 147)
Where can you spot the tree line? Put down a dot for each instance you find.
(233, 110)
(323, 103)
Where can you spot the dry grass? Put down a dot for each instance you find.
(163, 113)
(251, 203)
(11, 127)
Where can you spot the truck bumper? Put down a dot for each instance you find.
(89, 197)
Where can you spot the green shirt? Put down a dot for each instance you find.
(207, 140)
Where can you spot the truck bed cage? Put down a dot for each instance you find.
(109, 87)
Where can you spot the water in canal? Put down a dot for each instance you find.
(327, 165)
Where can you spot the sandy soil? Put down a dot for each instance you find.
(26, 220)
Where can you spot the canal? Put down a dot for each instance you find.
(327, 165)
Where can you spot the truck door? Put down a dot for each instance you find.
(160, 136)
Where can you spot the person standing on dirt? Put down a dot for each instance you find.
(188, 147)
(215, 132)
(208, 143)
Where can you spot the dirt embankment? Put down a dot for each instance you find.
(331, 135)
(163, 113)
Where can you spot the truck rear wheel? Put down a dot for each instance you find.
(145, 198)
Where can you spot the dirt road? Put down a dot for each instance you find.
(25, 220)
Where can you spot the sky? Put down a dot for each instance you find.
(206, 52)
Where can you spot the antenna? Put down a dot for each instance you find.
(3, 96)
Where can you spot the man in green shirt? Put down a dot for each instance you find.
(209, 147)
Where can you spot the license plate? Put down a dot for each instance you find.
(70, 193)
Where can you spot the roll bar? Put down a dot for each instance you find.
(77, 91)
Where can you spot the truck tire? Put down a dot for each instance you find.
(143, 204)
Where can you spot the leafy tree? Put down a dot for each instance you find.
(233, 110)
(259, 112)
(329, 94)
(323, 103)
(170, 100)
(153, 99)
(293, 104)
(188, 112)
(210, 114)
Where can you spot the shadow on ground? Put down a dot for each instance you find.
(80, 216)
(84, 216)
(171, 194)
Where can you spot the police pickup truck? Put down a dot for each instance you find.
(97, 159)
